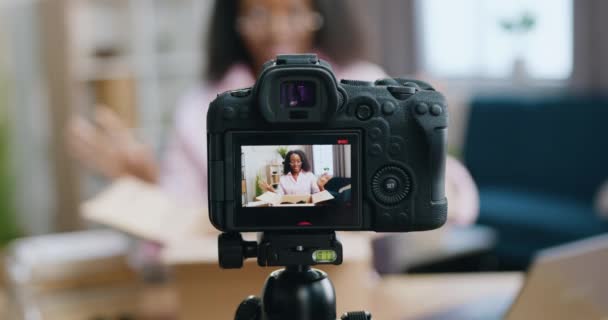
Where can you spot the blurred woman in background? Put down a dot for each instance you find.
(243, 35)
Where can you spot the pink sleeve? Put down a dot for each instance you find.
(462, 193)
(184, 165)
(314, 185)
(281, 188)
(601, 201)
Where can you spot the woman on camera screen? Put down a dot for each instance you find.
(297, 178)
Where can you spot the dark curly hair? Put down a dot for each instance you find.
(342, 36)
(305, 163)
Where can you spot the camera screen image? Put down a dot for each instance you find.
(298, 93)
(296, 175)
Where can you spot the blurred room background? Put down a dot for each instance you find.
(526, 82)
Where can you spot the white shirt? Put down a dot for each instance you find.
(304, 185)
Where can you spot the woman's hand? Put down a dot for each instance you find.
(109, 148)
(264, 185)
(323, 180)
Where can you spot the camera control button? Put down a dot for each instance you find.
(390, 184)
(403, 218)
(422, 108)
(375, 150)
(388, 108)
(359, 83)
(387, 218)
(229, 113)
(364, 112)
(375, 133)
(241, 93)
(394, 148)
(436, 110)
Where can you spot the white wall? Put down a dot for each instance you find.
(28, 112)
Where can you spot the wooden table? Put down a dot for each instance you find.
(3, 304)
(391, 298)
(404, 297)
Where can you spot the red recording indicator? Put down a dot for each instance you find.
(304, 224)
(342, 141)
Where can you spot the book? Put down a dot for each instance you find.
(278, 200)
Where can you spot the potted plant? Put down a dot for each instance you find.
(258, 188)
(519, 27)
(8, 226)
(282, 151)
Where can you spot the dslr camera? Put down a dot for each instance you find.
(302, 152)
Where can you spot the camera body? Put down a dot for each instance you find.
(383, 144)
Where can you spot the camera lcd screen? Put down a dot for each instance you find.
(299, 184)
(298, 93)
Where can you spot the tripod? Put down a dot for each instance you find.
(297, 292)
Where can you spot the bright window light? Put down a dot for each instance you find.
(484, 38)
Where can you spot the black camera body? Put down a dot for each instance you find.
(383, 142)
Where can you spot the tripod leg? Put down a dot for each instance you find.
(249, 309)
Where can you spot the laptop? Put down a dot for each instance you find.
(565, 282)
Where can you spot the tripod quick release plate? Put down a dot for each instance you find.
(280, 249)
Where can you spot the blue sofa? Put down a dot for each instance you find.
(538, 162)
(333, 186)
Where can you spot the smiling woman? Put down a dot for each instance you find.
(297, 178)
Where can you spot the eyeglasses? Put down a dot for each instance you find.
(260, 20)
(295, 163)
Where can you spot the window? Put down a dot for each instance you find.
(485, 38)
(323, 159)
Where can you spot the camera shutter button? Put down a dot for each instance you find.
(401, 92)
(358, 83)
(241, 93)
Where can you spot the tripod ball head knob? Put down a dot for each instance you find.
(357, 315)
(233, 250)
(249, 309)
(230, 250)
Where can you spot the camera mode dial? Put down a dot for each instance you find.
(391, 185)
